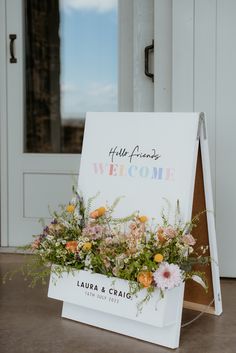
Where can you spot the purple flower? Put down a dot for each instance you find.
(46, 229)
(77, 256)
(42, 236)
(94, 232)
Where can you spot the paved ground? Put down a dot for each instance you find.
(31, 323)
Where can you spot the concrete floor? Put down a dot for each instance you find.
(31, 323)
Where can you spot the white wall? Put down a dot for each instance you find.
(204, 76)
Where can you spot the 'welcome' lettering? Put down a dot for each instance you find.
(134, 171)
(98, 168)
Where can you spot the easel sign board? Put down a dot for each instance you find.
(144, 157)
(147, 158)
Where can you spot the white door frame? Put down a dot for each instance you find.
(136, 91)
(3, 127)
(163, 55)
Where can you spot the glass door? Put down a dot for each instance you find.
(71, 66)
(71, 57)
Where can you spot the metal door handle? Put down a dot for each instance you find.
(147, 50)
(13, 59)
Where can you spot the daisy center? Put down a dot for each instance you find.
(166, 274)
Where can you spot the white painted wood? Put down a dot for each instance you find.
(210, 217)
(163, 55)
(143, 27)
(225, 136)
(189, 69)
(136, 31)
(143, 181)
(15, 126)
(14, 163)
(3, 128)
(166, 336)
(159, 321)
(111, 295)
(22, 227)
(203, 80)
(125, 52)
(116, 176)
(191, 27)
(183, 56)
(205, 70)
(44, 186)
(94, 307)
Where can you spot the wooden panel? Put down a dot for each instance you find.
(194, 293)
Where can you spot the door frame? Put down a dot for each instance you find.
(3, 127)
(136, 31)
(163, 55)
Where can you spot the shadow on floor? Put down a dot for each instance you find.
(31, 323)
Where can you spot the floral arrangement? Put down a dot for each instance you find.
(147, 254)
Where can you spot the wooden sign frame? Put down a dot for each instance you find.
(199, 191)
(195, 297)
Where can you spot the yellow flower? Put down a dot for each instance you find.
(158, 258)
(70, 208)
(143, 219)
(87, 246)
(98, 212)
(145, 278)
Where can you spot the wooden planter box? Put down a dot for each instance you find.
(105, 302)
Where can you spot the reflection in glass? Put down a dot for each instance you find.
(71, 68)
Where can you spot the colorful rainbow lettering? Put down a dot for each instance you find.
(134, 171)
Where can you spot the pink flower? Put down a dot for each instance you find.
(94, 232)
(35, 244)
(188, 239)
(167, 276)
(108, 240)
(106, 262)
(133, 226)
(170, 232)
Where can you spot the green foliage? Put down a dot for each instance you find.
(119, 247)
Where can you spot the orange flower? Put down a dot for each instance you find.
(145, 278)
(160, 235)
(143, 219)
(98, 212)
(72, 245)
(87, 246)
(70, 208)
(158, 258)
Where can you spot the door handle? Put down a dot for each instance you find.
(13, 59)
(147, 50)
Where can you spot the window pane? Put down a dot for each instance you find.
(71, 68)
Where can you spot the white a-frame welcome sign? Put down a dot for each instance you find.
(147, 158)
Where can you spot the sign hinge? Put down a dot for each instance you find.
(202, 124)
